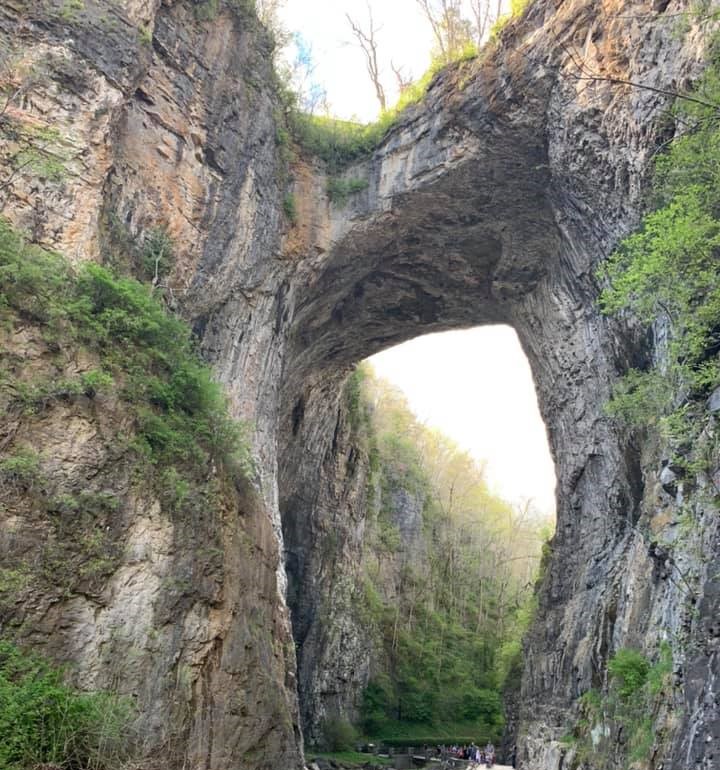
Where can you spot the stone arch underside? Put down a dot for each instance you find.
(492, 201)
(480, 209)
(480, 243)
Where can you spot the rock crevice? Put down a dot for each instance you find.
(490, 202)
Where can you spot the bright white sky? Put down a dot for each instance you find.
(403, 37)
(476, 385)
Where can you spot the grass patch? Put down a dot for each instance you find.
(398, 734)
(45, 722)
(351, 758)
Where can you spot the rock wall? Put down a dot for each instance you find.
(493, 203)
(326, 497)
(163, 116)
(490, 202)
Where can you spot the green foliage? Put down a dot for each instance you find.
(45, 722)
(33, 282)
(70, 9)
(436, 674)
(341, 142)
(670, 270)
(149, 258)
(157, 256)
(508, 659)
(377, 701)
(290, 208)
(21, 469)
(35, 396)
(338, 734)
(339, 190)
(145, 35)
(450, 625)
(591, 702)
(94, 382)
(12, 581)
(357, 407)
(640, 398)
(336, 142)
(398, 734)
(352, 758)
(630, 706)
(642, 738)
(630, 668)
(658, 677)
(206, 10)
(517, 8)
(180, 411)
(29, 148)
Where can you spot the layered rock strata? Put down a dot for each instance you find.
(491, 202)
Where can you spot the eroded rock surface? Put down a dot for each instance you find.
(491, 202)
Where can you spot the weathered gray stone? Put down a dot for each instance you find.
(493, 201)
(669, 479)
(713, 403)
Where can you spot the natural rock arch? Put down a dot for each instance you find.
(492, 200)
(481, 208)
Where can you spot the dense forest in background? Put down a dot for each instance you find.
(449, 573)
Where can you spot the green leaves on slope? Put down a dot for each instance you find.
(669, 272)
(45, 722)
(181, 413)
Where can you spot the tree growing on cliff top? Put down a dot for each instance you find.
(367, 40)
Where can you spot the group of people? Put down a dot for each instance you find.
(474, 754)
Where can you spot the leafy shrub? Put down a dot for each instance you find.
(36, 395)
(670, 270)
(206, 10)
(642, 738)
(517, 7)
(34, 282)
(290, 208)
(43, 721)
(482, 704)
(377, 700)
(158, 254)
(336, 142)
(21, 469)
(339, 190)
(416, 702)
(181, 412)
(659, 674)
(630, 669)
(338, 734)
(341, 142)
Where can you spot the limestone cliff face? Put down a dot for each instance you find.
(490, 202)
(162, 114)
(325, 506)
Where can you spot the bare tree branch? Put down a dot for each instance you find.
(436, 25)
(586, 73)
(403, 81)
(368, 43)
